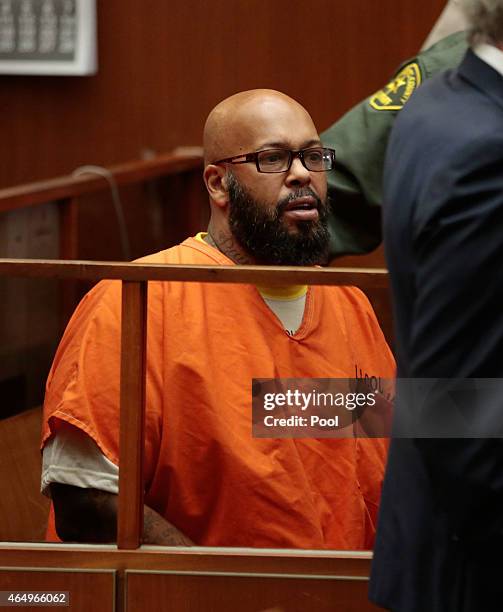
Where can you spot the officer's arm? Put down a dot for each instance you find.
(360, 139)
(90, 515)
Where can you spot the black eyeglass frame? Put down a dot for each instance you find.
(253, 157)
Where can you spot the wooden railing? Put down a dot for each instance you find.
(66, 190)
(349, 568)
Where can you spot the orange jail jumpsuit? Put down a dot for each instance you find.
(204, 472)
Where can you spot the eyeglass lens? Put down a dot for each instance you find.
(278, 160)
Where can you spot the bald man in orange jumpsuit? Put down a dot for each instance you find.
(208, 480)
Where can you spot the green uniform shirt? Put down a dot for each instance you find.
(360, 138)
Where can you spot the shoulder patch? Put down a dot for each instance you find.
(399, 90)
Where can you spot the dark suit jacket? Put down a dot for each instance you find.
(440, 544)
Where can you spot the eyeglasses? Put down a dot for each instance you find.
(315, 159)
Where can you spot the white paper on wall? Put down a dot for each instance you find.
(51, 37)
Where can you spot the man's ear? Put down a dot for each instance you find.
(216, 183)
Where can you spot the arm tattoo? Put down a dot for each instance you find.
(157, 530)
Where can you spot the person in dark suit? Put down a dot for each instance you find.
(440, 534)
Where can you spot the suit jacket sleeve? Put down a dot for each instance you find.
(458, 333)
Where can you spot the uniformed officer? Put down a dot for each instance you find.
(360, 138)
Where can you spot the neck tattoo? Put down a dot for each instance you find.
(228, 247)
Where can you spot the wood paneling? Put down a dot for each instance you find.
(23, 509)
(246, 593)
(28, 308)
(375, 259)
(88, 590)
(289, 573)
(163, 65)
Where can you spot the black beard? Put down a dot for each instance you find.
(263, 234)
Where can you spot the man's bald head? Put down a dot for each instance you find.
(238, 120)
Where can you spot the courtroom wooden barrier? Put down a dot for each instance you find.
(158, 578)
(194, 579)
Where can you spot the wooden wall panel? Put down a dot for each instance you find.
(28, 308)
(88, 589)
(162, 578)
(163, 65)
(206, 593)
(23, 509)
